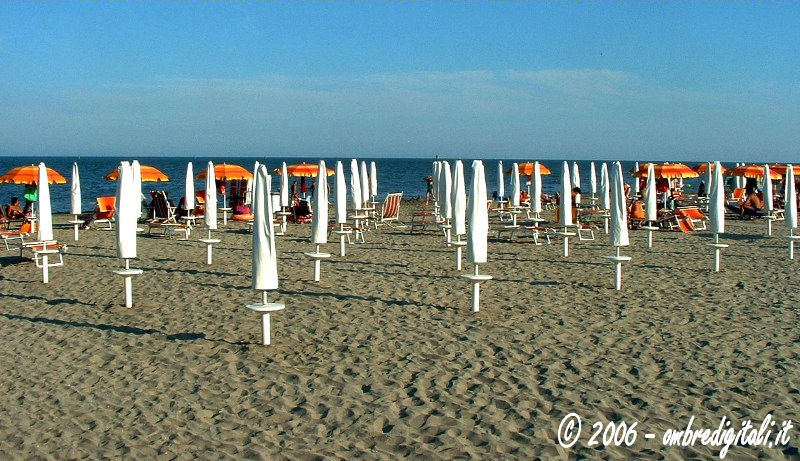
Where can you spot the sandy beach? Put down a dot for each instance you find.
(383, 358)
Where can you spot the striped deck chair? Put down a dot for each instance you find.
(390, 211)
(164, 216)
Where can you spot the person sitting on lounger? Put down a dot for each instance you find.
(750, 207)
(13, 211)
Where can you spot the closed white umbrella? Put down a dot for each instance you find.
(576, 175)
(265, 258)
(75, 199)
(515, 186)
(501, 184)
(127, 214)
(478, 233)
(441, 198)
(635, 179)
(284, 186)
(188, 190)
(565, 208)
(605, 193)
(355, 186)
(768, 201)
(319, 219)
(45, 228)
(592, 179)
(459, 208)
(136, 197)
(373, 180)
(789, 207)
(248, 194)
(364, 184)
(210, 217)
(716, 203)
(341, 206)
(619, 221)
(435, 188)
(536, 187)
(447, 191)
(650, 207)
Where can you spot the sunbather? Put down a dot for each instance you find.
(13, 211)
(750, 207)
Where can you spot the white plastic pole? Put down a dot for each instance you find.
(341, 240)
(649, 238)
(566, 244)
(476, 293)
(317, 264)
(265, 333)
(716, 253)
(619, 272)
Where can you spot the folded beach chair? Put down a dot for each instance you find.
(38, 249)
(694, 214)
(105, 210)
(390, 211)
(420, 220)
(19, 234)
(164, 216)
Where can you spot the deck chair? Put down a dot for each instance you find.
(738, 194)
(694, 214)
(200, 203)
(38, 248)
(164, 216)
(19, 234)
(586, 231)
(390, 211)
(104, 213)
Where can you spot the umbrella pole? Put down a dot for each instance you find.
(566, 243)
(649, 239)
(605, 225)
(618, 284)
(76, 225)
(45, 265)
(317, 264)
(458, 253)
(341, 239)
(769, 225)
(716, 253)
(476, 293)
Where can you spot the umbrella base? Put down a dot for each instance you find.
(127, 274)
(317, 257)
(265, 309)
(476, 280)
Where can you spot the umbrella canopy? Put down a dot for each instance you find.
(364, 182)
(501, 186)
(248, 193)
(226, 171)
(45, 227)
(373, 179)
(576, 175)
(29, 174)
(210, 216)
(752, 171)
(147, 173)
(790, 199)
(319, 219)
(619, 220)
(536, 188)
(355, 185)
(768, 202)
(650, 208)
(265, 259)
(779, 167)
(478, 233)
(592, 178)
(459, 200)
(341, 194)
(527, 169)
(701, 168)
(447, 191)
(75, 191)
(515, 186)
(440, 187)
(605, 187)
(137, 187)
(126, 214)
(435, 185)
(666, 170)
(565, 212)
(188, 188)
(635, 183)
(285, 185)
(302, 170)
(716, 201)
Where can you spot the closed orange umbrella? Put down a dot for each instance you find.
(753, 171)
(701, 168)
(527, 169)
(149, 174)
(304, 170)
(29, 174)
(667, 170)
(226, 171)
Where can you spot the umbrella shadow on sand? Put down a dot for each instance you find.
(51, 302)
(122, 329)
(371, 299)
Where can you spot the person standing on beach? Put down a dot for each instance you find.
(429, 192)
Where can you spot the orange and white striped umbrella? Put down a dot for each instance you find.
(701, 168)
(667, 170)
(149, 174)
(753, 171)
(224, 171)
(304, 170)
(527, 169)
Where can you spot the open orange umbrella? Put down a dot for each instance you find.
(29, 174)
(304, 170)
(226, 171)
(666, 170)
(779, 167)
(752, 171)
(701, 168)
(527, 169)
(149, 174)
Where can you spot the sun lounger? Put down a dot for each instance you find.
(38, 249)
(104, 213)
(694, 214)
(390, 211)
(20, 234)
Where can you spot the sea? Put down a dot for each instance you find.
(405, 175)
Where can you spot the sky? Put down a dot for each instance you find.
(583, 80)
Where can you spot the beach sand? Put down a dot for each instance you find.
(383, 357)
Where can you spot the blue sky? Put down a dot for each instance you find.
(614, 80)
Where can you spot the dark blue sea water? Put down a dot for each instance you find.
(394, 174)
